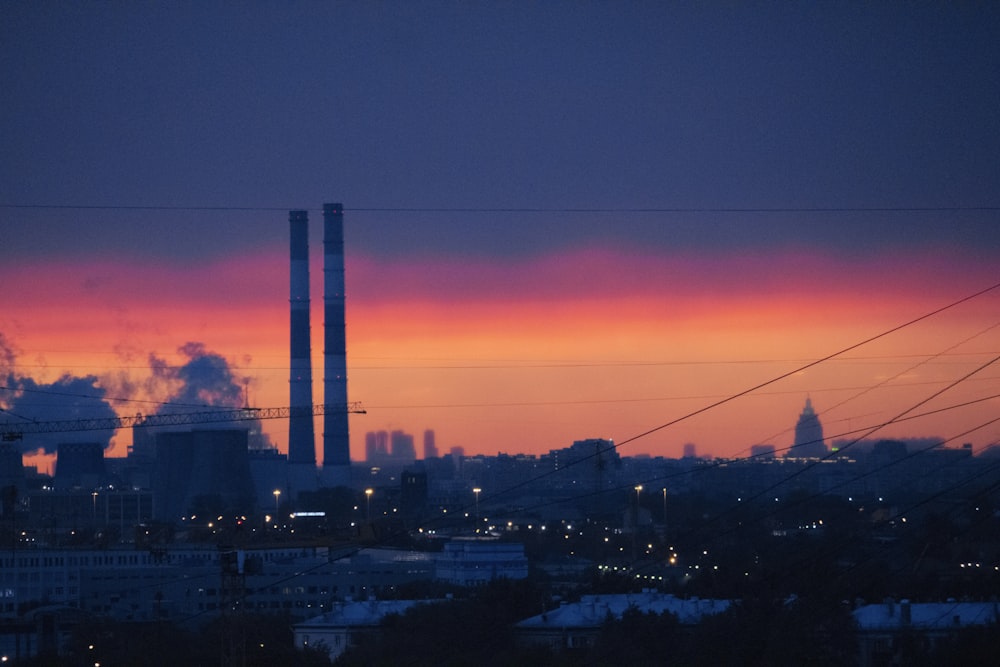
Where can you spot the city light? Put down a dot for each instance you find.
(477, 491)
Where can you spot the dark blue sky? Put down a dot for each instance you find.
(498, 105)
(784, 111)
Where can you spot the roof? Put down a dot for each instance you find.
(593, 610)
(366, 613)
(925, 615)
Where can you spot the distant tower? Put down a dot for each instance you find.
(301, 436)
(430, 447)
(808, 435)
(403, 450)
(336, 437)
(371, 447)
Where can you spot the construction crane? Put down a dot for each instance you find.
(11, 432)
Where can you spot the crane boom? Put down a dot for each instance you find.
(11, 431)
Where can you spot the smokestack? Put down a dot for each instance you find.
(301, 436)
(336, 440)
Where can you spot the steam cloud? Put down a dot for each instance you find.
(23, 400)
(205, 380)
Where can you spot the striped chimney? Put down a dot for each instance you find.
(336, 440)
(301, 436)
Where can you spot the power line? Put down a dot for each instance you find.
(761, 385)
(512, 364)
(809, 365)
(527, 209)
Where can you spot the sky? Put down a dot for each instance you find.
(563, 220)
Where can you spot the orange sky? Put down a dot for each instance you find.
(529, 356)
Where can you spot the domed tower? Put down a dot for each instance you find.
(808, 435)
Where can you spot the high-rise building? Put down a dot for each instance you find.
(371, 453)
(336, 437)
(403, 450)
(808, 435)
(377, 447)
(430, 447)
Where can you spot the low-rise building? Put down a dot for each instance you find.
(181, 583)
(882, 627)
(577, 624)
(339, 629)
(472, 561)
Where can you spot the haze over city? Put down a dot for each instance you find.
(561, 222)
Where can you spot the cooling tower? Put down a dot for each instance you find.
(200, 470)
(336, 442)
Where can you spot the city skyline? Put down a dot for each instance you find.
(561, 222)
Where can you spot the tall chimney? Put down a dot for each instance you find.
(301, 436)
(336, 440)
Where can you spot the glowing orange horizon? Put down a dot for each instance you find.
(530, 356)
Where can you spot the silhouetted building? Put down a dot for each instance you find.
(808, 435)
(269, 471)
(79, 465)
(430, 448)
(590, 464)
(689, 450)
(886, 452)
(762, 452)
(403, 450)
(413, 494)
(11, 466)
(377, 447)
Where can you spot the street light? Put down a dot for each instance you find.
(477, 491)
(638, 488)
(635, 524)
(368, 498)
(277, 496)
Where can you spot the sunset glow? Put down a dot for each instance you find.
(529, 355)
